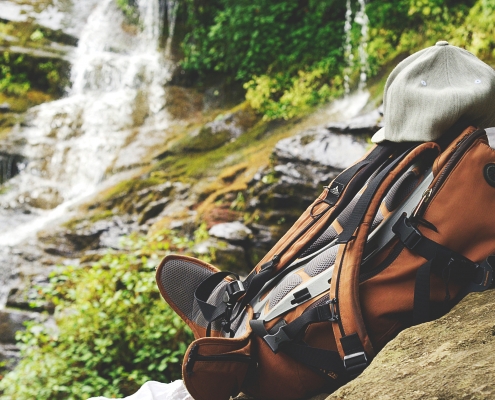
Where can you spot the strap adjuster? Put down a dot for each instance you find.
(407, 233)
(355, 363)
(233, 291)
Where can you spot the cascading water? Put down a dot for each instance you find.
(361, 18)
(348, 47)
(116, 101)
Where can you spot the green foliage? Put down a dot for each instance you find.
(277, 97)
(285, 52)
(11, 82)
(129, 9)
(290, 57)
(114, 332)
(401, 27)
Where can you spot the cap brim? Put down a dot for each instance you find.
(379, 136)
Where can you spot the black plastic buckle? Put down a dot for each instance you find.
(233, 291)
(407, 233)
(274, 341)
(483, 275)
(355, 363)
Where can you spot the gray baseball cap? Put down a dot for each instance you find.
(432, 89)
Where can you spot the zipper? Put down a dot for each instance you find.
(195, 356)
(460, 149)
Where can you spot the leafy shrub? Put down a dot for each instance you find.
(290, 56)
(113, 332)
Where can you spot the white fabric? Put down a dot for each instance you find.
(158, 391)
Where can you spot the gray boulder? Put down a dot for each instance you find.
(231, 231)
(449, 358)
(12, 321)
(319, 146)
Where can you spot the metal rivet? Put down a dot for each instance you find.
(423, 83)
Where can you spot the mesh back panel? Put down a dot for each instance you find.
(377, 221)
(284, 287)
(322, 262)
(347, 212)
(327, 236)
(180, 279)
(401, 190)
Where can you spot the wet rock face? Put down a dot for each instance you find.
(319, 146)
(363, 124)
(10, 165)
(450, 358)
(12, 321)
(222, 130)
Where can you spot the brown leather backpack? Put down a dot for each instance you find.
(395, 240)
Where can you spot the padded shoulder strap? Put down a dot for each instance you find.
(345, 279)
(324, 209)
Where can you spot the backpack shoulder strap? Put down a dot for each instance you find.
(324, 209)
(350, 332)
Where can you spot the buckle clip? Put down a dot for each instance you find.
(407, 233)
(355, 363)
(274, 341)
(233, 291)
(483, 276)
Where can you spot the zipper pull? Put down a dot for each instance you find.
(424, 199)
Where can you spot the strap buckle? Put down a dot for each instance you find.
(407, 233)
(233, 291)
(274, 341)
(483, 275)
(355, 363)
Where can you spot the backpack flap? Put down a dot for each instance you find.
(216, 368)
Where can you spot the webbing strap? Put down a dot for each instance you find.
(289, 332)
(327, 361)
(364, 201)
(421, 308)
(210, 312)
(355, 360)
(338, 185)
(445, 262)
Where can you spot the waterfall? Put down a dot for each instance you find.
(361, 18)
(348, 46)
(10, 166)
(116, 101)
(172, 7)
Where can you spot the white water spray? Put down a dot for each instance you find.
(117, 100)
(348, 47)
(360, 18)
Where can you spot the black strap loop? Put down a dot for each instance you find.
(446, 263)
